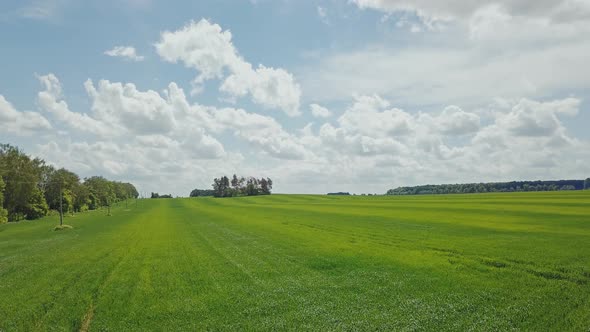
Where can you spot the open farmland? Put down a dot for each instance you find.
(449, 262)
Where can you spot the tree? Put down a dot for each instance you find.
(235, 183)
(201, 192)
(81, 201)
(36, 206)
(265, 186)
(100, 190)
(23, 197)
(587, 183)
(29, 188)
(60, 189)
(239, 186)
(3, 212)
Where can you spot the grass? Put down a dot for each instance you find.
(296, 262)
(62, 227)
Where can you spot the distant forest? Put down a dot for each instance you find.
(156, 195)
(514, 186)
(237, 186)
(30, 189)
(201, 192)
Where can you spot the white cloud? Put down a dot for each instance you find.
(368, 117)
(536, 119)
(123, 105)
(262, 131)
(472, 74)
(43, 9)
(51, 100)
(558, 11)
(319, 111)
(127, 52)
(209, 49)
(522, 140)
(373, 146)
(20, 123)
(454, 121)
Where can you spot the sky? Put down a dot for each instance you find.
(321, 96)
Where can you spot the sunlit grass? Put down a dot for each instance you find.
(299, 262)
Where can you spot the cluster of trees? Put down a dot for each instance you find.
(340, 193)
(29, 188)
(513, 186)
(201, 192)
(224, 187)
(156, 195)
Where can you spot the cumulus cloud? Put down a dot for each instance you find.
(204, 46)
(319, 111)
(20, 123)
(371, 141)
(141, 112)
(51, 101)
(368, 116)
(262, 131)
(126, 52)
(454, 121)
(536, 119)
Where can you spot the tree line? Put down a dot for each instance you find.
(514, 186)
(30, 188)
(251, 186)
(201, 193)
(156, 195)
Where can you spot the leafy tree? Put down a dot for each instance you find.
(265, 186)
(23, 197)
(101, 191)
(235, 183)
(587, 183)
(156, 195)
(3, 212)
(60, 189)
(29, 188)
(240, 186)
(36, 206)
(201, 192)
(82, 200)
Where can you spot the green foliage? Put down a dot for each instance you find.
(497, 262)
(468, 188)
(23, 197)
(241, 186)
(587, 183)
(36, 206)
(201, 193)
(29, 188)
(61, 183)
(3, 212)
(156, 195)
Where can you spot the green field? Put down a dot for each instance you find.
(296, 262)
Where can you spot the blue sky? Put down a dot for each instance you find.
(359, 95)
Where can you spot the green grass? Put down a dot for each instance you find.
(296, 262)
